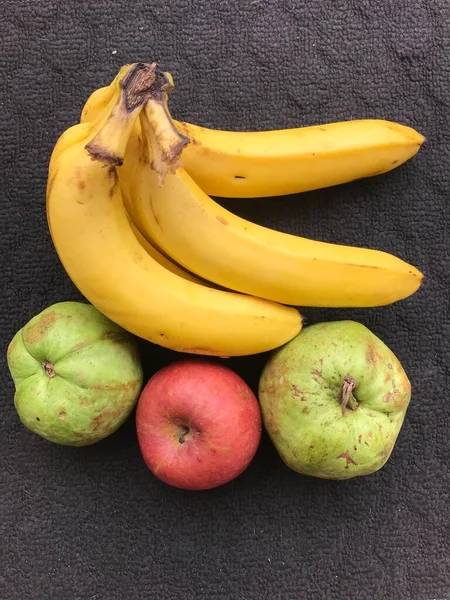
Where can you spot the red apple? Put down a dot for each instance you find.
(198, 424)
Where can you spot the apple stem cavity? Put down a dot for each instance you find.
(348, 400)
(49, 369)
(183, 434)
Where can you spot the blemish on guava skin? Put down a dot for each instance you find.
(126, 388)
(348, 458)
(12, 346)
(318, 372)
(34, 333)
(359, 438)
(272, 421)
(385, 452)
(390, 397)
(297, 393)
(104, 419)
(114, 336)
(97, 421)
(295, 390)
(372, 354)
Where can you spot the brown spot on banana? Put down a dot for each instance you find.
(99, 153)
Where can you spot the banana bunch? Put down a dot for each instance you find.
(131, 217)
(122, 275)
(261, 164)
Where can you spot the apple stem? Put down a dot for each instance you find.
(348, 400)
(49, 369)
(185, 431)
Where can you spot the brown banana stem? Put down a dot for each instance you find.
(111, 134)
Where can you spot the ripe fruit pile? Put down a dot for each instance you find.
(131, 218)
(153, 252)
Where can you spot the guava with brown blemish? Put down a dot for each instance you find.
(356, 393)
(77, 374)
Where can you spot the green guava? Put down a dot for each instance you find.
(333, 400)
(77, 374)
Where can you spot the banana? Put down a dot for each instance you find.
(97, 111)
(97, 102)
(69, 137)
(253, 164)
(160, 258)
(223, 248)
(289, 161)
(78, 133)
(101, 253)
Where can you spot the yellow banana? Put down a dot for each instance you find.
(214, 243)
(272, 163)
(99, 249)
(71, 136)
(160, 258)
(77, 134)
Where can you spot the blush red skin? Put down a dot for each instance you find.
(222, 412)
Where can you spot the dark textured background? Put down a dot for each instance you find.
(93, 524)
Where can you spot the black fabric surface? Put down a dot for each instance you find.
(93, 523)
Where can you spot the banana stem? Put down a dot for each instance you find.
(111, 134)
(165, 143)
(170, 140)
(348, 400)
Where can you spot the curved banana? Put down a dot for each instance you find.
(76, 134)
(98, 248)
(233, 164)
(96, 108)
(212, 242)
(73, 135)
(160, 258)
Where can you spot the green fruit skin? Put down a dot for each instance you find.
(97, 374)
(299, 393)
